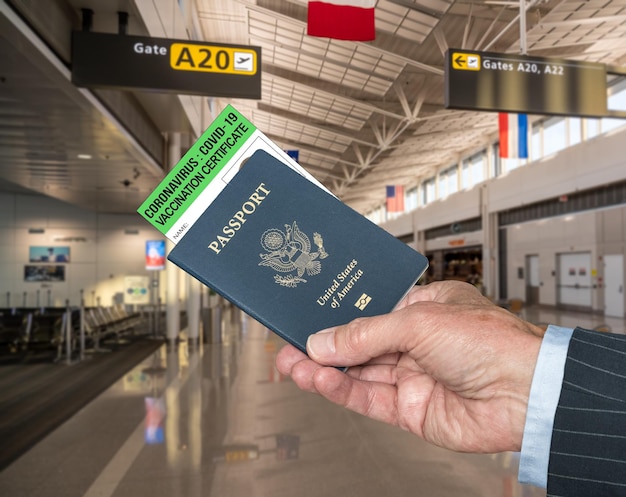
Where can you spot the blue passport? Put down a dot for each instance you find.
(293, 256)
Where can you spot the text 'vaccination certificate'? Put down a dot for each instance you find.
(203, 172)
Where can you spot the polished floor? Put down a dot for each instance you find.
(218, 420)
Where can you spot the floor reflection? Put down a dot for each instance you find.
(216, 419)
(570, 319)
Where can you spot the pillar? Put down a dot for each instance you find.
(172, 297)
(194, 290)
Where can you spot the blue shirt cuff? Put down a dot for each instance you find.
(544, 398)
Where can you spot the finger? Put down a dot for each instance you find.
(379, 373)
(287, 357)
(375, 400)
(303, 372)
(363, 340)
(387, 359)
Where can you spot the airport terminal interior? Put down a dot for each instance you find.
(122, 375)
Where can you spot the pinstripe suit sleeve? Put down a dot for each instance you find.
(588, 449)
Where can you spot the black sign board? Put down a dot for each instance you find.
(180, 66)
(527, 84)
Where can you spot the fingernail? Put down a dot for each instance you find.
(321, 343)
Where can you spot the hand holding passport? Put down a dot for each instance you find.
(447, 365)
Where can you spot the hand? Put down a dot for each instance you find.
(446, 364)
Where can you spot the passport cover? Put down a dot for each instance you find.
(293, 256)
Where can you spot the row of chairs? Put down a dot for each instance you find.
(26, 330)
(109, 323)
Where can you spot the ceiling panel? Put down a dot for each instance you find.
(361, 114)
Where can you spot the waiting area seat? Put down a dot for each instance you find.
(60, 330)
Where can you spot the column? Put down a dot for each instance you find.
(193, 309)
(172, 296)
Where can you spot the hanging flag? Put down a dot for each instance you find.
(513, 135)
(395, 199)
(342, 19)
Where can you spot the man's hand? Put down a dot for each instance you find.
(446, 364)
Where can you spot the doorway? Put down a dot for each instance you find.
(532, 280)
(574, 281)
(614, 285)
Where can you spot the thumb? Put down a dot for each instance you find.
(361, 340)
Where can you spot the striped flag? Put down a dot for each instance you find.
(395, 199)
(513, 135)
(342, 19)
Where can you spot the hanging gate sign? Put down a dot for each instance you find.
(160, 64)
(527, 84)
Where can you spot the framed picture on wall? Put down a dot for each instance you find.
(41, 273)
(49, 254)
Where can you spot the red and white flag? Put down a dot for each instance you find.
(342, 19)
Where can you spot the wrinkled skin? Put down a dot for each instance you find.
(447, 365)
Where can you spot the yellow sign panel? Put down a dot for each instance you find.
(210, 58)
(241, 455)
(466, 62)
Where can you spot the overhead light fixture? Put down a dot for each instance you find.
(84, 156)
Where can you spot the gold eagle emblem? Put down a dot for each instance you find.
(289, 251)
